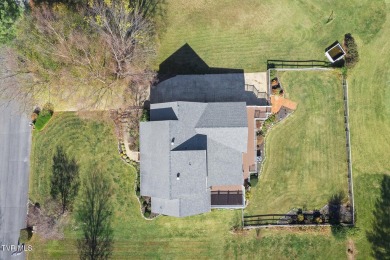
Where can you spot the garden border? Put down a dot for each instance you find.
(265, 143)
(296, 226)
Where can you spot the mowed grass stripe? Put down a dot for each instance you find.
(243, 34)
(306, 158)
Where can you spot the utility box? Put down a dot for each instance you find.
(334, 52)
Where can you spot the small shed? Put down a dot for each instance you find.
(334, 52)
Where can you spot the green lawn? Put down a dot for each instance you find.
(88, 141)
(206, 236)
(42, 121)
(244, 34)
(305, 154)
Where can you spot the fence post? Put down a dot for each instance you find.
(242, 218)
(348, 146)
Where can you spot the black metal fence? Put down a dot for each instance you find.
(334, 215)
(286, 219)
(297, 64)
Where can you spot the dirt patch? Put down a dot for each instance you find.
(351, 250)
(99, 116)
(240, 232)
(315, 230)
(279, 102)
(48, 225)
(127, 123)
(260, 139)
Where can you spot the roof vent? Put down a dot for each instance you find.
(173, 141)
(178, 176)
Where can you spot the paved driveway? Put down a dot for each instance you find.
(15, 143)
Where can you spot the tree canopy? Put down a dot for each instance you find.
(352, 55)
(9, 13)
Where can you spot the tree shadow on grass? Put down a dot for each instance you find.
(334, 206)
(379, 236)
(339, 214)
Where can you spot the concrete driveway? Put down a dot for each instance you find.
(15, 143)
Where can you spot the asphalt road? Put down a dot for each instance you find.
(15, 143)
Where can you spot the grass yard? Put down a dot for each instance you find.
(42, 121)
(206, 236)
(244, 34)
(89, 142)
(305, 154)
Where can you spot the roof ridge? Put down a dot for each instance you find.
(200, 127)
(224, 145)
(170, 164)
(204, 111)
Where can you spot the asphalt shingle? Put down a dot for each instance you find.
(186, 148)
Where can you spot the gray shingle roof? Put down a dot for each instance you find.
(218, 115)
(187, 206)
(224, 165)
(154, 151)
(192, 169)
(228, 87)
(203, 142)
(189, 193)
(164, 111)
(166, 206)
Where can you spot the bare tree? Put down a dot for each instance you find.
(83, 59)
(127, 32)
(95, 215)
(89, 60)
(16, 84)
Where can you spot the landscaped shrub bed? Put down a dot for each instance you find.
(25, 235)
(122, 152)
(42, 121)
(352, 55)
(43, 116)
(267, 124)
